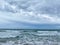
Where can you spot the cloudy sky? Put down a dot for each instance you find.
(35, 14)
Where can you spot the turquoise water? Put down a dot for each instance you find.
(29, 37)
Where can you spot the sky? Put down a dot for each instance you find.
(30, 14)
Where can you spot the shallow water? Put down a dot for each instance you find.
(29, 37)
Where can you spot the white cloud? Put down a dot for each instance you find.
(29, 17)
(29, 11)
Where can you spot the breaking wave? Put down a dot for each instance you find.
(29, 37)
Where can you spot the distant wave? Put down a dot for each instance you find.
(8, 34)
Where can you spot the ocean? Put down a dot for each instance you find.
(29, 37)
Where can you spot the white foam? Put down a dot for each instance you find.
(30, 39)
(8, 33)
(47, 33)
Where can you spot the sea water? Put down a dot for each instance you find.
(29, 37)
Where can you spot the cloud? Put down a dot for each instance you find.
(38, 6)
(30, 17)
(29, 11)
